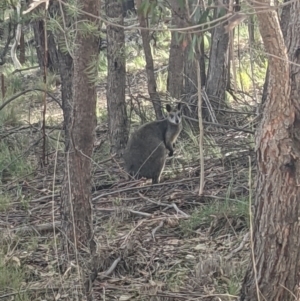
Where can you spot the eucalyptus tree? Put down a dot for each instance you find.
(143, 10)
(76, 210)
(116, 77)
(274, 271)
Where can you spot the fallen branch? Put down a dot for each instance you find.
(165, 205)
(41, 227)
(111, 269)
(240, 247)
(26, 91)
(156, 228)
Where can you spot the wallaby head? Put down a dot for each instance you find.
(174, 115)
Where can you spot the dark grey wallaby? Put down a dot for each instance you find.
(146, 151)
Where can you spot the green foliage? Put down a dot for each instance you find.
(204, 18)
(176, 276)
(88, 28)
(9, 116)
(12, 277)
(73, 9)
(161, 81)
(4, 201)
(13, 161)
(102, 115)
(218, 213)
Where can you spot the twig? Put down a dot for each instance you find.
(240, 247)
(178, 210)
(156, 228)
(41, 227)
(25, 69)
(44, 198)
(142, 188)
(111, 269)
(140, 213)
(229, 127)
(24, 92)
(165, 205)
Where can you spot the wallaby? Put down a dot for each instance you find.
(145, 154)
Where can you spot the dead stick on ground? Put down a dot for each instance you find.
(42, 227)
(165, 205)
(240, 247)
(156, 228)
(140, 213)
(111, 269)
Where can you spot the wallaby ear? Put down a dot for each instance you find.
(168, 107)
(179, 106)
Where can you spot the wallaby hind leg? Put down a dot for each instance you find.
(156, 178)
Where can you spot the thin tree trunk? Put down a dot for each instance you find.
(149, 64)
(217, 74)
(116, 75)
(76, 211)
(65, 65)
(39, 36)
(190, 80)
(274, 273)
(128, 7)
(176, 57)
(22, 49)
(66, 73)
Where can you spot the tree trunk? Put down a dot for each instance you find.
(190, 80)
(276, 228)
(251, 30)
(284, 23)
(65, 65)
(39, 36)
(176, 57)
(66, 72)
(149, 63)
(128, 6)
(217, 74)
(116, 75)
(76, 211)
(22, 49)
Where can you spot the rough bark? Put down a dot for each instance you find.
(76, 210)
(190, 80)
(284, 23)
(176, 57)
(22, 48)
(65, 65)
(149, 63)
(217, 74)
(39, 36)
(116, 75)
(66, 73)
(276, 231)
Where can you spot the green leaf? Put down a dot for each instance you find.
(204, 16)
(222, 12)
(144, 8)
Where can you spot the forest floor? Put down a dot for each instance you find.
(168, 243)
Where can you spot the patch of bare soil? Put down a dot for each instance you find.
(154, 241)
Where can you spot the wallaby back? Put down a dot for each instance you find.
(145, 154)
